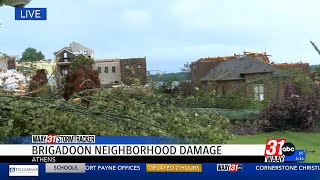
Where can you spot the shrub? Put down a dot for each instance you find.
(300, 113)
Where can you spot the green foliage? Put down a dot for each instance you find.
(187, 70)
(233, 102)
(31, 54)
(313, 67)
(164, 84)
(179, 76)
(109, 112)
(299, 113)
(225, 102)
(317, 69)
(231, 114)
(303, 84)
(82, 62)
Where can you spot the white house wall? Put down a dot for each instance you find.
(109, 77)
(3, 65)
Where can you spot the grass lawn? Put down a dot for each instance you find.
(302, 141)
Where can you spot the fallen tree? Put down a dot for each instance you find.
(111, 113)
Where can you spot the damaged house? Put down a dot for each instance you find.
(263, 79)
(111, 71)
(7, 63)
(66, 55)
(250, 74)
(9, 77)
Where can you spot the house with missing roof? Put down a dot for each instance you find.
(202, 66)
(67, 54)
(7, 63)
(111, 71)
(247, 75)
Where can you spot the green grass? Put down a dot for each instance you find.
(303, 141)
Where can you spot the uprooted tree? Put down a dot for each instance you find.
(80, 77)
(38, 85)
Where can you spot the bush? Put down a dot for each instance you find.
(299, 113)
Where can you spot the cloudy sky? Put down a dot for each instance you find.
(169, 32)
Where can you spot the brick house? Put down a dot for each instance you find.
(66, 55)
(133, 68)
(202, 66)
(246, 75)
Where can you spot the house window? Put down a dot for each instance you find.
(113, 69)
(99, 69)
(106, 70)
(85, 53)
(65, 57)
(139, 66)
(127, 66)
(259, 91)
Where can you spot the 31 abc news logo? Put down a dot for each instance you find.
(277, 149)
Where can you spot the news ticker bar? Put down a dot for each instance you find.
(83, 167)
(142, 168)
(131, 159)
(132, 149)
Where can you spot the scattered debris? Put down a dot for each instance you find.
(11, 79)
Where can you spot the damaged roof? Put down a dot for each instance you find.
(233, 69)
(74, 47)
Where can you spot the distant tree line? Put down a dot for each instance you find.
(31, 55)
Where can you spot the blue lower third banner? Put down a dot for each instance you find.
(298, 156)
(159, 171)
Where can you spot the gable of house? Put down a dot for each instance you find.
(67, 54)
(64, 56)
(77, 48)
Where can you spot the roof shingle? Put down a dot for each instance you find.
(233, 69)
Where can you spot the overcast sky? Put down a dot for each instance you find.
(169, 32)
